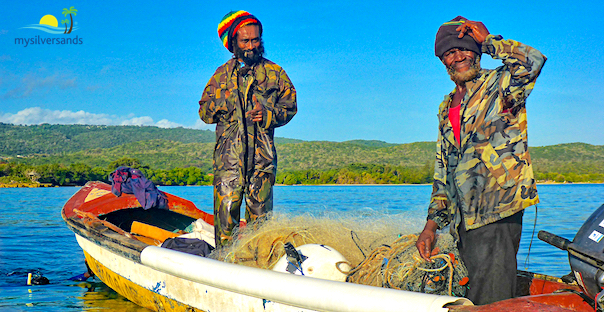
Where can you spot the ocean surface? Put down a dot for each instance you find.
(34, 238)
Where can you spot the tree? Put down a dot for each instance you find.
(127, 162)
(291, 179)
(70, 11)
(80, 173)
(65, 22)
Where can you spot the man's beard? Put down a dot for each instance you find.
(463, 77)
(249, 57)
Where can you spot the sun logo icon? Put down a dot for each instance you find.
(49, 24)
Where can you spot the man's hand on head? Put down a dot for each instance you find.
(476, 30)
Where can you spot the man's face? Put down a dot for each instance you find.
(462, 65)
(248, 44)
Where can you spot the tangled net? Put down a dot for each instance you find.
(377, 250)
(400, 266)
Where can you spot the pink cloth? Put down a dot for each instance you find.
(455, 123)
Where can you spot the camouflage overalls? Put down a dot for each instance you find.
(245, 159)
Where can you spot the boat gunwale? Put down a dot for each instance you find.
(107, 238)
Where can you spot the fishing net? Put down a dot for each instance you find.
(398, 265)
(380, 250)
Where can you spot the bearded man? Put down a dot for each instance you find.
(483, 176)
(247, 98)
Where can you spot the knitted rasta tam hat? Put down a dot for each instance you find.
(447, 38)
(230, 24)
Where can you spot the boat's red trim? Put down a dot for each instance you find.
(560, 302)
(542, 297)
(540, 285)
(96, 198)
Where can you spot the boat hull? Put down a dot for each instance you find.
(147, 288)
(161, 279)
(147, 284)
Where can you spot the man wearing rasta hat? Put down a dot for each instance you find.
(483, 176)
(247, 98)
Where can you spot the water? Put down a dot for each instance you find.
(34, 238)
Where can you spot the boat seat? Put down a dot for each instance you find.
(150, 231)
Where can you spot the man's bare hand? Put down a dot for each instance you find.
(476, 30)
(256, 112)
(426, 240)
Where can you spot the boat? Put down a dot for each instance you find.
(121, 255)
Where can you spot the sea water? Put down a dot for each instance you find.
(34, 238)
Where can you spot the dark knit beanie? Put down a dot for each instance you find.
(230, 24)
(447, 38)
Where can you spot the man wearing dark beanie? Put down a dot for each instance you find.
(483, 176)
(247, 98)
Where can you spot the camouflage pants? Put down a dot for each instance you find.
(228, 196)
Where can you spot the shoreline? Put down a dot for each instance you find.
(24, 185)
(37, 185)
(411, 184)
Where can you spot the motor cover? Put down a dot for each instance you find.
(318, 261)
(586, 254)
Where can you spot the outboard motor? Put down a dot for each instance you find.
(585, 254)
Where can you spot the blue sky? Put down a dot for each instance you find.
(362, 69)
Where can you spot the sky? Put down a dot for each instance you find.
(362, 69)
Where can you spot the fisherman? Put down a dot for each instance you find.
(483, 176)
(247, 98)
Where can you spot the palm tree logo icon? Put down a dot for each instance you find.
(65, 12)
(49, 24)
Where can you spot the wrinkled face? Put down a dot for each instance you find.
(462, 65)
(248, 44)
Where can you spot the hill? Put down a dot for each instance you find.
(167, 149)
(60, 139)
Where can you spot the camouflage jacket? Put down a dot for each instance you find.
(242, 145)
(489, 176)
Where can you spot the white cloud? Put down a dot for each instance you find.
(165, 123)
(138, 121)
(37, 115)
(200, 125)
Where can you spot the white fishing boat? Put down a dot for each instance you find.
(120, 243)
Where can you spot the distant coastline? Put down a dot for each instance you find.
(71, 155)
(37, 185)
(24, 185)
(427, 184)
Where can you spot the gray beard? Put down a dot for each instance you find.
(462, 78)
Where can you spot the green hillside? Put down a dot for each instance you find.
(329, 155)
(171, 150)
(164, 154)
(58, 139)
(578, 162)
